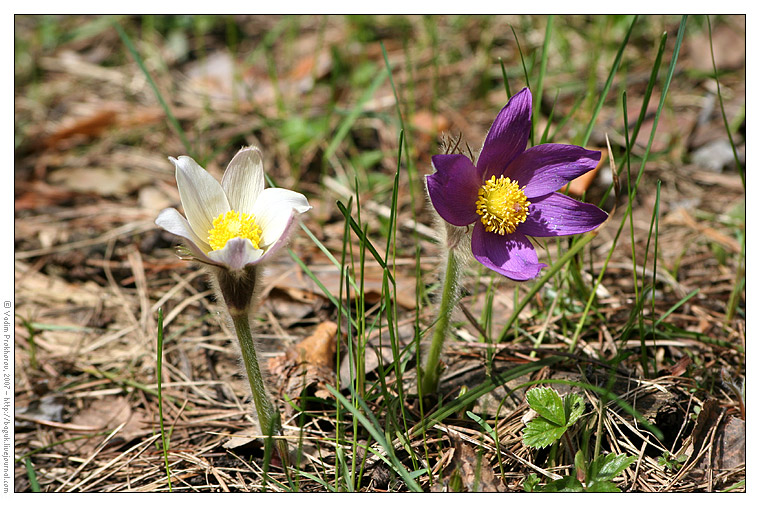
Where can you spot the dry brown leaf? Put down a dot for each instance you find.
(706, 419)
(429, 126)
(318, 349)
(308, 65)
(105, 181)
(242, 438)
(309, 363)
(82, 128)
(106, 414)
(141, 117)
(37, 194)
(469, 471)
(680, 367)
(730, 445)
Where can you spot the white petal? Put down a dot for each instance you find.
(273, 210)
(170, 220)
(282, 240)
(201, 195)
(236, 253)
(243, 179)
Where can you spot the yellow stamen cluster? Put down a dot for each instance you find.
(502, 205)
(233, 225)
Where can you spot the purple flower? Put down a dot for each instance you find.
(511, 192)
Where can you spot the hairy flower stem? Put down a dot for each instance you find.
(449, 297)
(269, 417)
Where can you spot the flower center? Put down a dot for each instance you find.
(233, 225)
(502, 205)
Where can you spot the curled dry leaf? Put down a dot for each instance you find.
(317, 349)
(730, 445)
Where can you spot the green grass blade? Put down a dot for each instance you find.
(522, 58)
(377, 434)
(308, 272)
(362, 236)
(629, 187)
(739, 282)
(650, 86)
(676, 306)
(525, 73)
(642, 335)
(491, 433)
(661, 105)
(506, 80)
(411, 171)
(353, 115)
(327, 252)
(172, 119)
(542, 69)
(545, 135)
(410, 166)
(653, 229)
(318, 480)
(633, 189)
(608, 83)
(159, 374)
(34, 485)
(553, 269)
(723, 109)
(393, 219)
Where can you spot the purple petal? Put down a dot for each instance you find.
(453, 188)
(549, 167)
(559, 215)
(512, 255)
(508, 135)
(236, 254)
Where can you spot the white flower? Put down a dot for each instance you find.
(237, 223)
